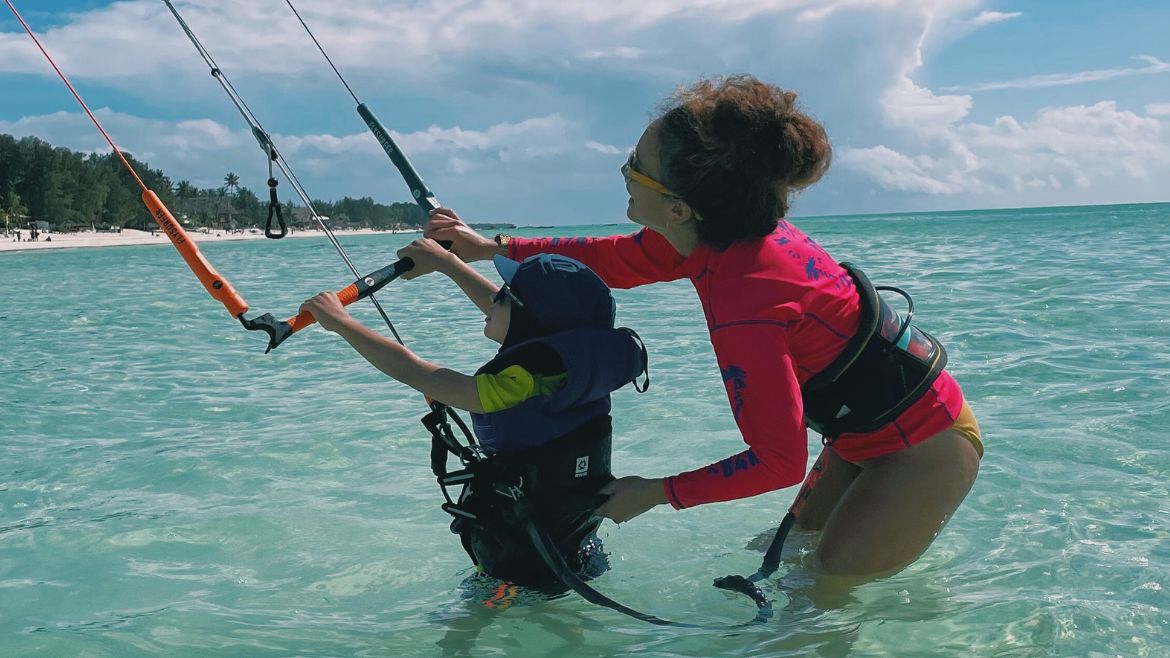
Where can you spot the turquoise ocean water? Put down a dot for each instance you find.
(167, 489)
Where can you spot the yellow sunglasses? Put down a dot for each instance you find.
(631, 173)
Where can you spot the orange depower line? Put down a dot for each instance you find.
(214, 282)
(217, 286)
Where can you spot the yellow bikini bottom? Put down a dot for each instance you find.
(966, 425)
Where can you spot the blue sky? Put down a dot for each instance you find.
(523, 110)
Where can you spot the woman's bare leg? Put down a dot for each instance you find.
(836, 480)
(894, 507)
(838, 475)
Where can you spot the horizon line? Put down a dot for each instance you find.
(875, 214)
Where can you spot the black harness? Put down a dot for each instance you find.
(885, 368)
(553, 487)
(511, 506)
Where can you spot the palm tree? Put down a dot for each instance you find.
(184, 190)
(15, 209)
(231, 183)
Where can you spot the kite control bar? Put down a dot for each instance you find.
(279, 330)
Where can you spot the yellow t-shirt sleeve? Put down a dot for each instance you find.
(513, 385)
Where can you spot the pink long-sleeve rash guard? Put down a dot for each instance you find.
(779, 310)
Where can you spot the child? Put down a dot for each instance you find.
(540, 407)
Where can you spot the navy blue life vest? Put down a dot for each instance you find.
(596, 362)
(553, 450)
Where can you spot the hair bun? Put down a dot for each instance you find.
(736, 149)
(748, 125)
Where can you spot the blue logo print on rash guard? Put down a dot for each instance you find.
(738, 379)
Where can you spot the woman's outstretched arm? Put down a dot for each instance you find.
(622, 261)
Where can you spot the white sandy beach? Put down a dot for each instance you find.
(129, 237)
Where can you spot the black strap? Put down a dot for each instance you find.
(771, 560)
(552, 558)
(747, 586)
(274, 209)
(273, 200)
(444, 443)
(443, 439)
(868, 303)
(645, 384)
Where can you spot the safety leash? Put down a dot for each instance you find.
(747, 585)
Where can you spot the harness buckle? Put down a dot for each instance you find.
(513, 491)
(456, 477)
(458, 512)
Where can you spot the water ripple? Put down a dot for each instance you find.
(170, 490)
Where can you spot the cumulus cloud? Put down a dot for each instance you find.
(406, 38)
(200, 148)
(530, 138)
(819, 11)
(1158, 109)
(1075, 146)
(147, 139)
(427, 39)
(908, 105)
(896, 171)
(940, 152)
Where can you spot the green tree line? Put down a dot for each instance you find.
(72, 191)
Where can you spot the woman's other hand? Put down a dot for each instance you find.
(466, 243)
(629, 497)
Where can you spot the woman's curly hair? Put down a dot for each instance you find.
(735, 149)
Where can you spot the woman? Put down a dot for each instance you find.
(710, 181)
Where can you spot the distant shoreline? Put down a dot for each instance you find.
(133, 237)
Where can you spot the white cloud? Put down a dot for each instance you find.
(896, 171)
(1095, 141)
(936, 150)
(607, 149)
(906, 104)
(1158, 109)
(992, 17)
(819, 11)
(527, 139)
(1077, 146)
(145, 138)
(408, 39)
(1153, 66)
(620, 52)
(202, 148)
